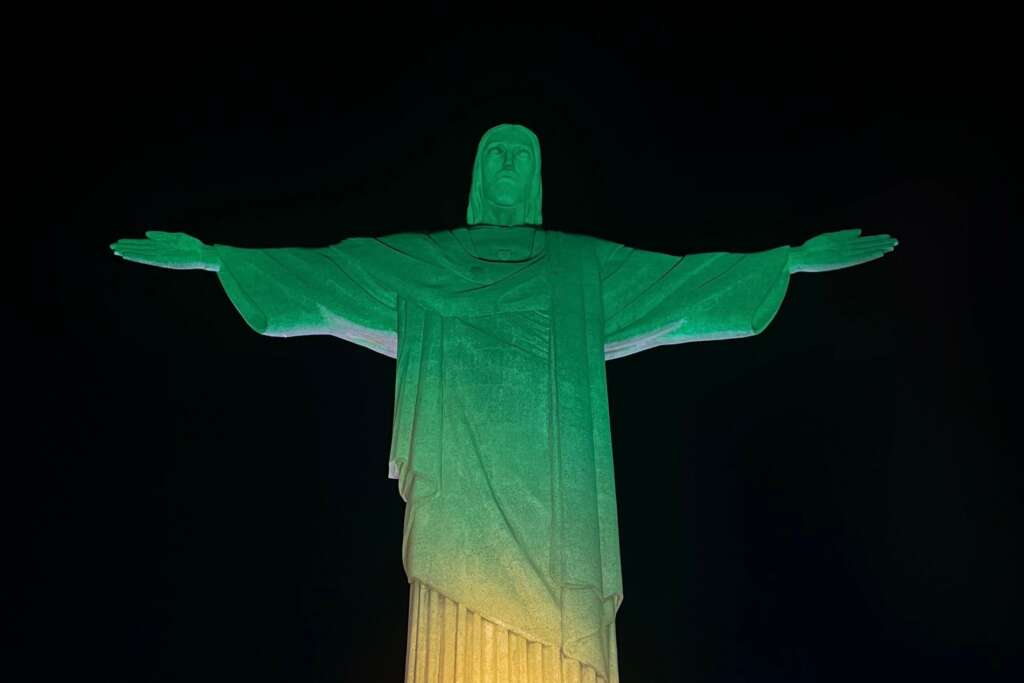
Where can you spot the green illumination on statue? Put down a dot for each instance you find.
(501, 443)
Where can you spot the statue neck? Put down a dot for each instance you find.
(503, 215)
(502, 242)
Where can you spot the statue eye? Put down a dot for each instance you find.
(523, 154)
(495, 150)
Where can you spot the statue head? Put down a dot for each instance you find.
(506, 187)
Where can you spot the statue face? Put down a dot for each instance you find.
(508, 166)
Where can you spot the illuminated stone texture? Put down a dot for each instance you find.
(453, 644)
(501, 443)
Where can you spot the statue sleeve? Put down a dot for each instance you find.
(295, 291)
(652, 299)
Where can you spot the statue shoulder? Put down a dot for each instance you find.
(397, 251)
(589, 242)
(604, 250)
(400, 241)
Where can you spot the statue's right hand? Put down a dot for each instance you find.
(168, 250)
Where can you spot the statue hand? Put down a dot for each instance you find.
(168, 250)
(835, 250)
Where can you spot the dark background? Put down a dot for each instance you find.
(832, 500)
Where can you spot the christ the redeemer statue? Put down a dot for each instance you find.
(501, 444)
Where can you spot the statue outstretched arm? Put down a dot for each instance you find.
(652, 299)
(290, 291)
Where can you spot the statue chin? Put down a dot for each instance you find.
(505, 201)
(503, 210)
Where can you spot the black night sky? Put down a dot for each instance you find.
(832, 500)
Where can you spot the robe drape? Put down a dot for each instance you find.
(501, 442)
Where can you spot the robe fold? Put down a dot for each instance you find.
(501, 442)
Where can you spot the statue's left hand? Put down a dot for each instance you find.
(835, 250)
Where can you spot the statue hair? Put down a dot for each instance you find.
(532, 215)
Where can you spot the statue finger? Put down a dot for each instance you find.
(861, 251)
(132, 254)
(148, 258)
(863, 259)
(879, 248)
(128, 242)
(162, 263)
(162, 235)
(842, 258)
(865, 244)
(143, 251)
(828, 240)
(137, 258)
(850, 233)
(880, 242)
(141, 246)
(871, 239)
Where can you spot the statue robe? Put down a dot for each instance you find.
(501, 443)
